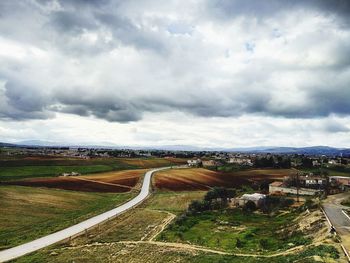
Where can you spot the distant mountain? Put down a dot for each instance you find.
(38, 143)
(4, 144)
(313, 150)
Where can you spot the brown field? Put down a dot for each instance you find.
(153, 162)
(203, 179)
(116, 182)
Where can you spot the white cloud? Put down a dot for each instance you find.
(260, 67)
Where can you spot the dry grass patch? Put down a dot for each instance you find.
(29, 213)
(175, 202)
(153, 162)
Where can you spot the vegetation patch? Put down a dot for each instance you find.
(175, 202)
(232, 230)
(346, 202)
(149, 253)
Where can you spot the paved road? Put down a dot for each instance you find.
(69, 232)
(341, 222)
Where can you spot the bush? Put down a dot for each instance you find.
(264, 243)
(198, 206)
(249, 206)
(239, 243)
(273, 203)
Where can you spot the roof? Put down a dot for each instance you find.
(254, 196)
(276, 183)
(339, 177)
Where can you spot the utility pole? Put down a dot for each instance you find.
(298, 187)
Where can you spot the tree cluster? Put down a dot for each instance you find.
(216, 198)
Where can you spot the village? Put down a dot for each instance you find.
(317, 184)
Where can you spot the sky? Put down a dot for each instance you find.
(210, 73)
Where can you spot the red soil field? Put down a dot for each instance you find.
(203, 179)
(115, 182)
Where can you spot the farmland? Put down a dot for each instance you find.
(29, 213)
(203, 179)
(155, 231)
(133, 237)
(117, 181)
(30, 167)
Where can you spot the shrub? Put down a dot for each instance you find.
(249, 206)
(264, 243)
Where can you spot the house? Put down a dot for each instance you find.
(333, 162)
(281, 188)
(70, 174)
(256, 198)
(209, 163)
(241, 161)
(342, 180)
(316, 163)
(194, 162)
(313, 181)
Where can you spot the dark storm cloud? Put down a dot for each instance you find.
(109, 108)
(226, 9)
(183, 72)
(72, 22)
(95, 15)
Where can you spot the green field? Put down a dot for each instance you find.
(332, 171)
(23, 172)
(16, 169)
(28, 213)
(233, 230)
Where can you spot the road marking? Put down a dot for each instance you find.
(345, 214)
(326, 216)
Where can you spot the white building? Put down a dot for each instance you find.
(194, 162)
(258, 199)
(241, 161)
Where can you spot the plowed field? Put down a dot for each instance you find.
(120, 181)
(203, 179)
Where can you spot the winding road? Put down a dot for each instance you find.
(66, 234)
(334, 210)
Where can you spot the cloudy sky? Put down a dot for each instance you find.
(215, 73)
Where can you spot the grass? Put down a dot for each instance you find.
(346, 202)
(23, 172)
(233, 230)
(32, 167)
(332, 171)
(29, 213)
(135, 225)
(148, 253)
(175, 202)
(141, 223)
